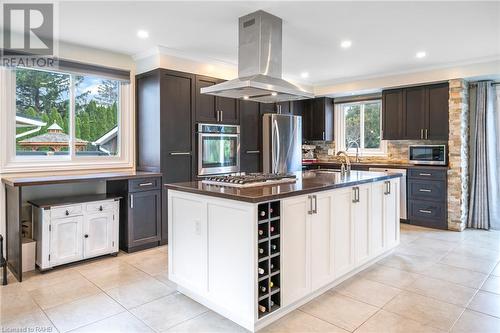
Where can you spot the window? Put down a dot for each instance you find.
(62, 114)
(359, 125)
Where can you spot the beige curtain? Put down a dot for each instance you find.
(484, 160)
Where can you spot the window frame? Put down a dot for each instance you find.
(10, 162)
(340, 130)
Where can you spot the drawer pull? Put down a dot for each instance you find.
(100, 208)
(180, 153)
(253, 151)
(425, 190)
(67, 213)
(146, 184)
(425, 211)
(425, 174)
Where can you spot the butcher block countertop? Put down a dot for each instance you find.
(307, 182)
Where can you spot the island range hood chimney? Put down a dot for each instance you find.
(259, 64)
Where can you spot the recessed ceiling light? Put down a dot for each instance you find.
(421, 54)
(142, 34)
(304, 75)
(345, 44)
(274, 94)
(245, 97)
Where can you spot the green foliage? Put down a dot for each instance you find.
(45, 96)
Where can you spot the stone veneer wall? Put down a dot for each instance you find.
(458, 152)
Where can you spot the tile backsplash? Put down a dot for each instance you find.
(397, 150)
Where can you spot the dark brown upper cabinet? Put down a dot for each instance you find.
(214, 109)
(438, 96)
(416, 113)
(392, 115)
(250, 136)
(317, 119)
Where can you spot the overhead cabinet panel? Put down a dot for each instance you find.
(392, 115)
(438, 99)
(415, 113)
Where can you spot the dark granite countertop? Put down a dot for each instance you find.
(388, 165)
(63, 178)
(307, 182)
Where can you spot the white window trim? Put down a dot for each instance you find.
(340, 135)
(10, 163)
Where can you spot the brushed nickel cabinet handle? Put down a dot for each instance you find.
(132, 201)
(425, 211)
(309, 197)
(426, 133)
(425, 174)
(180, 153)
(421, 133)
(425, 190)
(253, 152)
(146, 184)
(315, 211)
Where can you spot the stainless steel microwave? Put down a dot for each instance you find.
(427, 154)
(218, 149)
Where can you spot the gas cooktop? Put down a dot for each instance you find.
(249, 180)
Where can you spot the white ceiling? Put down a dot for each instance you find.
(385, 35)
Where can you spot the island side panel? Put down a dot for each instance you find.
(13, 204)
(213, 253)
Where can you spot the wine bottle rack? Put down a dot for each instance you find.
(269, 258)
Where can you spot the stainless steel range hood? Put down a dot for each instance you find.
(259, 64)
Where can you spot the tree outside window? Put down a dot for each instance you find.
(44, 109)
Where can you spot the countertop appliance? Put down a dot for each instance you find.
(402, 188)
(218, 149)
(282, 143)
(250, 180)
(427, 154)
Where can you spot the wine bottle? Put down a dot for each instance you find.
(271, 284)
(261, 250)
(270, 210)
(274, 247)
(263, 289)
(262, 308)
(261, 271)
(262, 213)
(271, 229)
(272, 266)
(271, 303)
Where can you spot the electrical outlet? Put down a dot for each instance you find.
(331, 152)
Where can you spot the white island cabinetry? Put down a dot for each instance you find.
(255, 262)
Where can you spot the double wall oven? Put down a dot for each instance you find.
(218, 149)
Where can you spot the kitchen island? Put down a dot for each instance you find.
(255, 254)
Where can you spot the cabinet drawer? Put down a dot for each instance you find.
(427, 190)
(432, 174)
(427, 210)
(144, 184)
(100, 206)
(66, 211)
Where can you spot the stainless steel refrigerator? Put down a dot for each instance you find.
(282, 142)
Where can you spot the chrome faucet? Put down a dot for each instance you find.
(345, 169)
(357, 149)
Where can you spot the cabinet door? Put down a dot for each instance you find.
(284, 106)
(392, 114)
(322, 241)
(377, 226)
(391, 213)
(415, 113)
(99, 234)
(250, 136)
(361, 222)
(318, 119)
(229, 111)
(438, 114)
(206, 110)
(295, 235)
(144, 218)
(66, 240)
(343, 233)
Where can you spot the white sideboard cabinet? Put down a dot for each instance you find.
(72, 229)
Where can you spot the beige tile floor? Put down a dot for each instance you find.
(435, 281)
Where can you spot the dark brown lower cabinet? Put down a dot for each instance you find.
(140, 212)
(427, 198)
